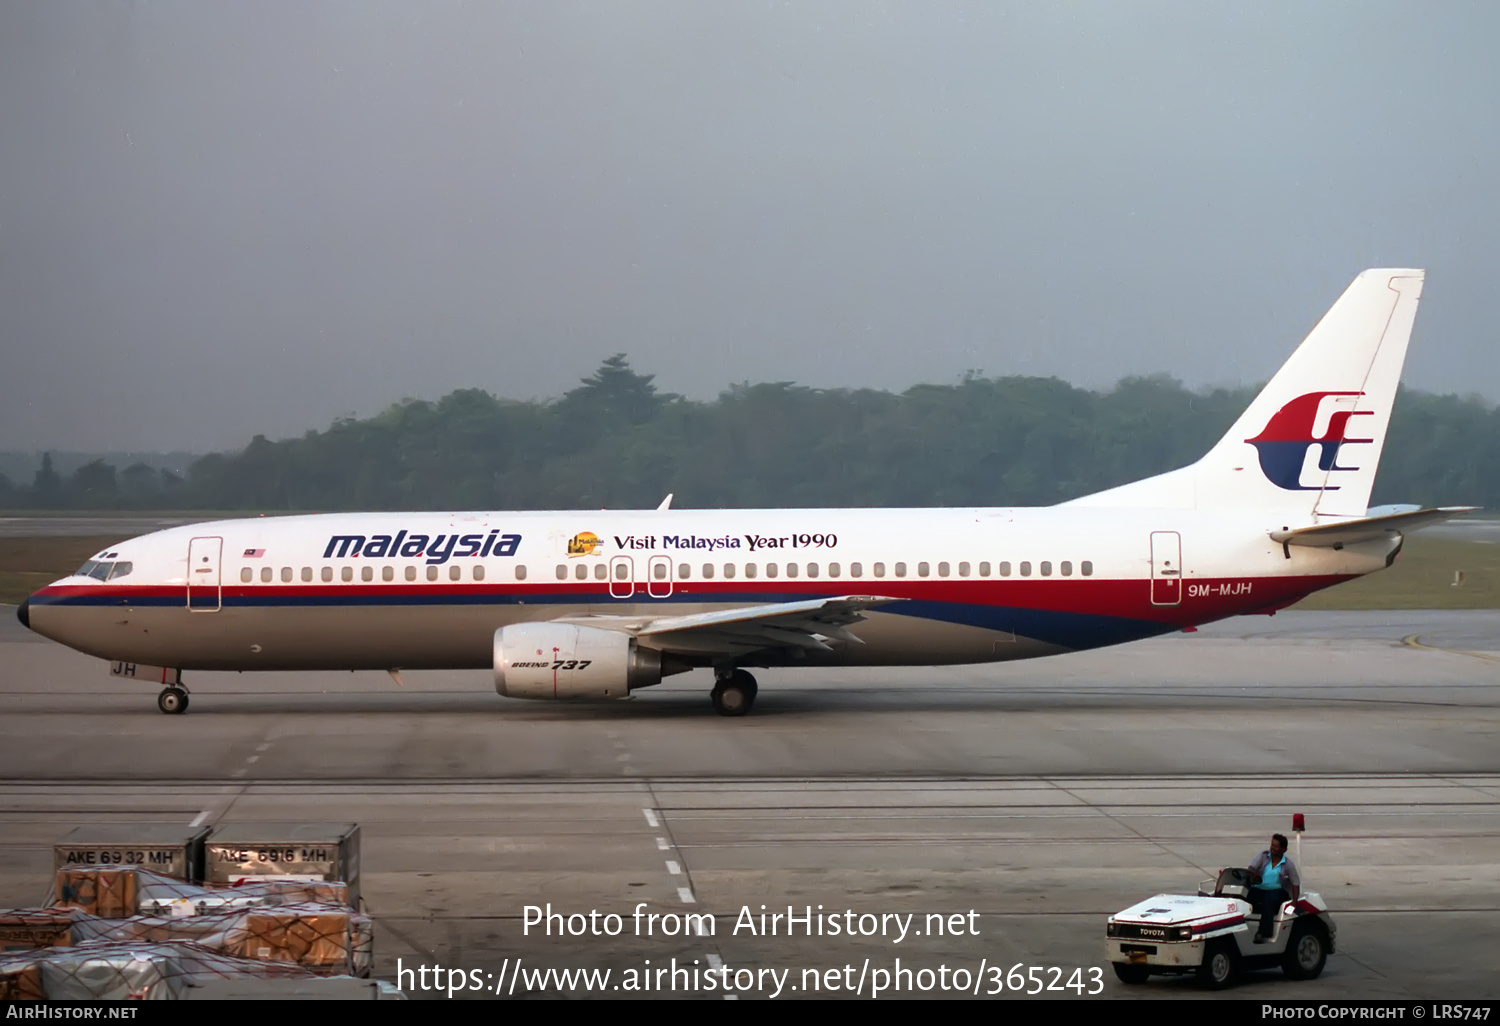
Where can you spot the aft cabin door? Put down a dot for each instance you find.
(204, 557)
(1166, 568)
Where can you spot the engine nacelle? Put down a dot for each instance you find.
(562, 660)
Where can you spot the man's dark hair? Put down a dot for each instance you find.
(1282, 839)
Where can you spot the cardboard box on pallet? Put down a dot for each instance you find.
(317, 938)
(20, 980)
(245, 852)
(109, 893)
(164, 848)
(28, 929)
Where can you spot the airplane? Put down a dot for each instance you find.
(598, 603)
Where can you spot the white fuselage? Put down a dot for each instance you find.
(415, 590)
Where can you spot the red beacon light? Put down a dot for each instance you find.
(1298, 823)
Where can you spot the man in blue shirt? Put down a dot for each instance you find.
(1279, 883)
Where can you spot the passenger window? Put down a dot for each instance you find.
(900, 569)
(923, 569)
(856, 570)
(1087, 566)
(963, 569)
(1005, 568)
(1066, 567)
(659, 571)
(327, 574)
(367, 573)
(833, 569)
(307, 573)
(246, 575)
(562, 572)
(387, 573)
(879, 569)
(984, 569)
(478, 571)
(812, 569)
(684, 571)
(580, 572)
(521, 573)
(286, 575)
(621, 571)
(791, 569)
(411, 573)
(749, 569)
(1046, 568)
(601, 572)
(728, 570)
(347, 574)
(770, 569)
(942, 569)
(1025, 568)
(455, 572)
(432, 573)
(265, 575)
(708, 571)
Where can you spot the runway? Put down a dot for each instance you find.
(1039, 796)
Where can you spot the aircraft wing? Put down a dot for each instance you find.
(1348, 532)
(808, 625)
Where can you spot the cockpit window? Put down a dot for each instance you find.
(101, 570)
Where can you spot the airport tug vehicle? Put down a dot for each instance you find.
(1212, 934)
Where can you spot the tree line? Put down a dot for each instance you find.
(617, 441)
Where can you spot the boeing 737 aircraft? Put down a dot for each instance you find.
(595, 604)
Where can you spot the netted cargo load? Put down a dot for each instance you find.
(326, 939)
(124, 971)
(118, 893)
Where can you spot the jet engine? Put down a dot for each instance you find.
(562, 660)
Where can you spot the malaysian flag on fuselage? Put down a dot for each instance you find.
(254, 553)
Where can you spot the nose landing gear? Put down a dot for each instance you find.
(734, 693)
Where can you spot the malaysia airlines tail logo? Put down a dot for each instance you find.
(1284, 442)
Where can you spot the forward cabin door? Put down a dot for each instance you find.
(1166, 568)
(203, 590)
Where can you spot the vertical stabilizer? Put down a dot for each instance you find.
(1310, 442)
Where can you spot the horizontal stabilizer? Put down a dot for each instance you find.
(1349, 532)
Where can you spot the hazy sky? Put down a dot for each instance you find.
(218, 219)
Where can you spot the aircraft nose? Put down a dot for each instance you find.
(23, 613)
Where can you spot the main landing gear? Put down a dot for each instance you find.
(734, 692)
(172, 700)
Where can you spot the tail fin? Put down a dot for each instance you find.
(1311, 441)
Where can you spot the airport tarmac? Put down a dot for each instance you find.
(1040, 796)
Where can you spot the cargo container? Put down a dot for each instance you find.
(165, 848)
(248, 852)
